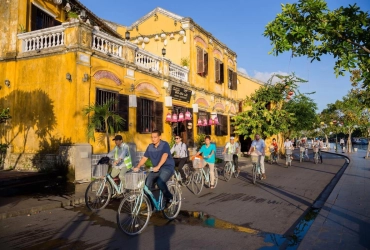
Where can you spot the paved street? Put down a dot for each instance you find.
(235, 215)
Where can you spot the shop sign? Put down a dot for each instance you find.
(180, 94)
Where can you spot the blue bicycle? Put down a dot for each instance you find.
(138, 205)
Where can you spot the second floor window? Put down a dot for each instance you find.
(232, 80)
(41, 20)
(221, 129)
(149, 116)
(219, 71)
(202, 62)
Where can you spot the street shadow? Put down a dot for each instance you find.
(32, 117)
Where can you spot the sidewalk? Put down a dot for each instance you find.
(344, 220)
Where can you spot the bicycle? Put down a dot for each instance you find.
(273, 156)
(256, 168)
(177, 176)
(138, 205)
(229, 168)
(302, 154)
(316, 155)
(288, 155)
(201, 176)
(99, 192)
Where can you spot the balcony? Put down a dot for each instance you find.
(68, 35)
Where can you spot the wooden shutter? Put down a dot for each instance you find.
(221, 73)
(217, 71)
(139, 110)
(218, 127)
(158, 116)
(205, 64)
(123, 110)
(224, 125)
(235, 81)
(229, 79)
(200, 61)
(208, 128)
(232, 127)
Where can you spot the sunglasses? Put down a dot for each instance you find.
(177, 138)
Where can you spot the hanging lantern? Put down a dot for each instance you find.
(199, 122)
(57, 2)
(174, 118)
(140, 39)
(182, 33)
(187, 116)
(163, 35)
(169, 117)
(181, 117)
(288, 97)
(205, 122)
(172, 36)
(290, 93)
(146, 40)
(216, 121)
(211, 122)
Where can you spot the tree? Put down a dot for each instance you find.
(309, 28)
(103, 118)
(264, 113)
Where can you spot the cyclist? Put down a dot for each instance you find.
(209, 155)
(276, 148)
(180, 152)
(160, 154)
(320, 145)
(233, 148)
(121, 158)
(260, 146)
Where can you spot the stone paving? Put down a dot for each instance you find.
(344, 221)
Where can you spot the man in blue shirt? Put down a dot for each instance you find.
(260, 146)
(209, 155)
(163, 164)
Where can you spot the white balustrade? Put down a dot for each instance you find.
(107, 44)
(179, 72)
(42, 39)
(146, 60)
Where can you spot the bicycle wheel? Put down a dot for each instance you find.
(227, 171)
(197, 182)
(216, 177)
(187, 172)
(254, 173)
(133, 217)
(236, 173)
(98, 194)
(173, 210)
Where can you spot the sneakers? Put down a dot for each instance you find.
(263, 176)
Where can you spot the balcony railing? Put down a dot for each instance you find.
(42, 39)
(107, 44)
(147, 60)
(179, 72)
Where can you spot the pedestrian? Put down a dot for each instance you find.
(260, 146)
(208, 152)
(341, 143)
(121, 158)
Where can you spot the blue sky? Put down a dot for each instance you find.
(240, 25)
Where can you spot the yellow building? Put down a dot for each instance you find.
(54, 64)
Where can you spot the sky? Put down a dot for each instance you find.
(240, 25)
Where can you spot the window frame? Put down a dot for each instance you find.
(202, 62)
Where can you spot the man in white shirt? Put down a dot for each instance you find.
(180, 155)
(260, 146)
(232, 147)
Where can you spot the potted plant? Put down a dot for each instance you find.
(72, 16)
(185, 62)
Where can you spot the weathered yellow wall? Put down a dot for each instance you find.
(247, 86)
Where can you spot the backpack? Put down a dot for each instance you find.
(104, 160)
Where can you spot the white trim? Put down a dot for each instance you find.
(45, 10)
(159, 10)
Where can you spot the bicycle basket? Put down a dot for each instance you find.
(197, 162)
(272, 150)
(301, 149)
(134, 180)
(288, 151)
(254, 158)
(100, 170)
(228, 157)
(315, 149)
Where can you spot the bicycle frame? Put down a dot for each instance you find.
(232, 166)
(206, 176)
(119, 189)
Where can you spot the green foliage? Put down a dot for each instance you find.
(218, 160)
(265, 113)
(309, 28)
(200, 140)
(21, 28)
(102, 114)
(185, 61)
(72, 14)
(5, 115)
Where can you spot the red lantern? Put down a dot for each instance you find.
(169, 117)
(334, 121)
(290, 93)
(181, 117)
(216, 121)
(205, 122)
(288, 97)
(210, 122)
(187, 116)
(200, 122)
(174, 118)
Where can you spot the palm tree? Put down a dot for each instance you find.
(103, 118)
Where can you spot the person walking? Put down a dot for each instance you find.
(209, 155)
(260, 146)
(232, 147)
(180, 155)
(159, 153)
(341, 143)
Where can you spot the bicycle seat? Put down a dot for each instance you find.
(116, 179)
